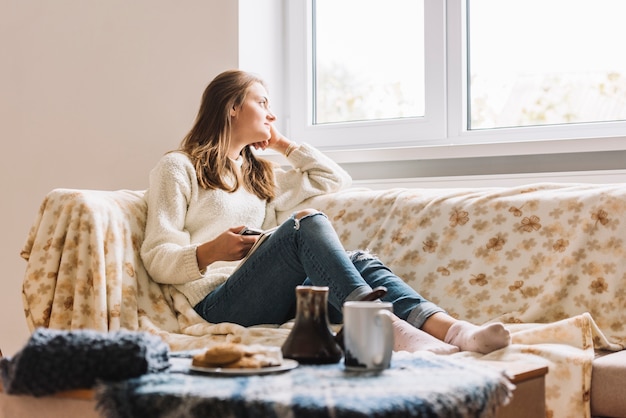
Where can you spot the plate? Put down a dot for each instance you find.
(287, 364)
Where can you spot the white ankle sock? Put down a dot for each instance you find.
(481, 339)
(411, 339)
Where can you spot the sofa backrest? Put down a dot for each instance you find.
(537, 253)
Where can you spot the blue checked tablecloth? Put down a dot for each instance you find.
(417, 385)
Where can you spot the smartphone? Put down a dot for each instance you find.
(250, 231)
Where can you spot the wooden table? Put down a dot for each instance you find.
(529, 396)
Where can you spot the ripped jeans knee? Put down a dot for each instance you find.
(360, 255)
(303, 214)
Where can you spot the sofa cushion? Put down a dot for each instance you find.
(608, 380)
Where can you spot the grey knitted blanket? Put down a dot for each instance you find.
(54, 360)
(426, 386)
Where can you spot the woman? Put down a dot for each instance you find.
(202, 196)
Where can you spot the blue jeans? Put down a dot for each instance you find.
(307, 251)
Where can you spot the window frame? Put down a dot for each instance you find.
(443, 132)
(396, 132)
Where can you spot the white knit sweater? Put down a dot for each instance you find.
(182, 215)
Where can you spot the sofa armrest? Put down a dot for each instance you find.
(82, 256)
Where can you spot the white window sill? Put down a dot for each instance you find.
(474, 150)
(477, 150)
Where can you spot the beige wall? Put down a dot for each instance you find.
(91, 94)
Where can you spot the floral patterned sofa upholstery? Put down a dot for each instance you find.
(549, 260)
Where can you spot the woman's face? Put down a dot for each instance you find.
(251, 122)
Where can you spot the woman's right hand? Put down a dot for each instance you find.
(228, 246)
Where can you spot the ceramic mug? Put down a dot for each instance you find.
(368, 335)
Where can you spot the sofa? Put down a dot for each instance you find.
(547, 259)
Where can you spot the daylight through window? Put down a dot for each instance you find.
(366, 74)
(541, 62)
(369, 60)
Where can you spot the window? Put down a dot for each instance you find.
(361, 73)
(456, 72)
(552, 62)
(337, 99)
